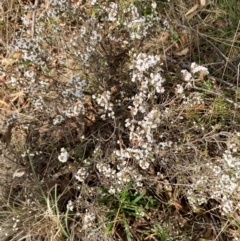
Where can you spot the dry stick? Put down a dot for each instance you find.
(238, 72)
(227, 60)
(116, 217)
(237, 90)
(231, 66)
(34, 17)
(187, 66)
(217, 94)
(220, 53)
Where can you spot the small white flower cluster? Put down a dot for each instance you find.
(230, 160)
(13, 82)
(218, 182)
(74, 110)
(133, 22)
(142, 62)
(179, 89)
(193, 100)
(81, 174)
(58, 8)
(227, 206)
(141, 65)
(93, 2)
(10, 119)
(186, 75)
(143, 156)
(89, 37)
(31, 49)
(121, 177)
(104, 101)
(196, 73)
(233, 143)
(31, 154)
(142, 130)
(64, 155)
(127, 174)
(196, 195)
(195, 68)
(30, 75)
(106, 170)
(58, 2)
(58, 120)
(112, 11)
(70, 205)
(26, 20)
(124, 176)
(137, 24)
(165, 144)
(88, 220)
(38, 102)
(76, 88)
(16, 222)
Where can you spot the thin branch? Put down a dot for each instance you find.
(34, 17)
(234, 39)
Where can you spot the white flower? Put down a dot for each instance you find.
(70, 205)
(88, 220)
(112, 190)
(154, 5)
(216, 170)
(198, 68)
(81, 174)
(179, 89)
(63, 157)
(58, 119)
(29, 74)
(227, 207)
(144, 164)
(93, 2)
(186, 75)
(112, 12)
(26, 21)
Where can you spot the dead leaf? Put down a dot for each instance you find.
(164, 37)
(2, 102)
(18, 173)
(17, 54)
(89, 111)
(180, 219)
(178, 205)
(113, 89)
(191, 12)
(183, 52)
(159, 188)
(29, 15)
(8, 62)
(151, 169)
(202, 3)
(168, 188)
(183, 40)
(6, 137)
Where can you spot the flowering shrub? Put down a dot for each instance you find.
(93, 109)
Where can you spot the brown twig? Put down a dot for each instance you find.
(227, 60)
(34, 17)
(220, 53)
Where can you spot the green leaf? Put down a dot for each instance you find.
(126, 227)
(138, 198)
(109, 227)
